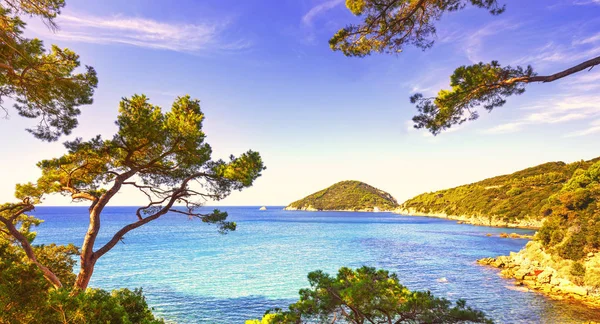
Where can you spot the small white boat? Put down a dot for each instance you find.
(263, 208)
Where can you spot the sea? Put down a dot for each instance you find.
(190, 273)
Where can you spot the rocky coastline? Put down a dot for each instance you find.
(478, 220)
(536, 270)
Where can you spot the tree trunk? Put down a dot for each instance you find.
(86, 270)
(48, 274)
(87, 257)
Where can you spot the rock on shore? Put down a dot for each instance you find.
(551, 275)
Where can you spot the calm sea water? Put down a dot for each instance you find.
(192, 274)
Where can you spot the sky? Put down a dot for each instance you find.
(268, 81)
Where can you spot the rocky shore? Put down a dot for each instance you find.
(479, 220)
(535, 269)
(513, 236)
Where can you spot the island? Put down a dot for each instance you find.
(349, 195)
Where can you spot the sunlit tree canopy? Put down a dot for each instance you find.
(163, 154)
(388, 26)
(367, 295)
(46, 85)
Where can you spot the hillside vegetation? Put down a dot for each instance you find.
(347, 195)
(508, 198)
(572, 227)
(564, 196)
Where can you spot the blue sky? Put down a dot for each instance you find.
(269, 82)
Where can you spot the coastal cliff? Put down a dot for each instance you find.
(349, 195)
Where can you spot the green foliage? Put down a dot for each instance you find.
(573, 225)
(514, 192)
(162, 149)
(122, 306)
(348, 195)
(390, 25)
(592, 277)
(135, 305)
(161, 154)
(59, 259)
(509, 198)
(476, 85)
(368, 295)
(45, 9)
(577, 269)
(22, 287)
(27, 297)
(577, 272)
(43, 84)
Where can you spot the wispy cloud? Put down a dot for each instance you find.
(576, 99)
(589, 40)
(586, 2)
(584, 81)
(473, 43)
(429, 82)
(593, 128)
(506, 128)
(143, 32)
(573, 100)
(553, 53)
(553, 111)
(318, 10)
(570, 43)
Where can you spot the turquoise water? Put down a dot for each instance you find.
(192, 274)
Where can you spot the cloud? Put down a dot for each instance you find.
(319, 9)
(590, 40)
(553, 53)
(570, 43)
(143, 32)
(474, 41)
(554, 110)
(584, 81)
(594, 127)
(586, 2)
(429, 82)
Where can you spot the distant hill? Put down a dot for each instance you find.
(516, 199)
(347, 195)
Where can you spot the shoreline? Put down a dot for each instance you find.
(310, 209)
(469, 220)
(473, 220)
(535, 270)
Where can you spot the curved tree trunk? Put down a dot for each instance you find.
(86, 270)
(48, 274)
(87, 257)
